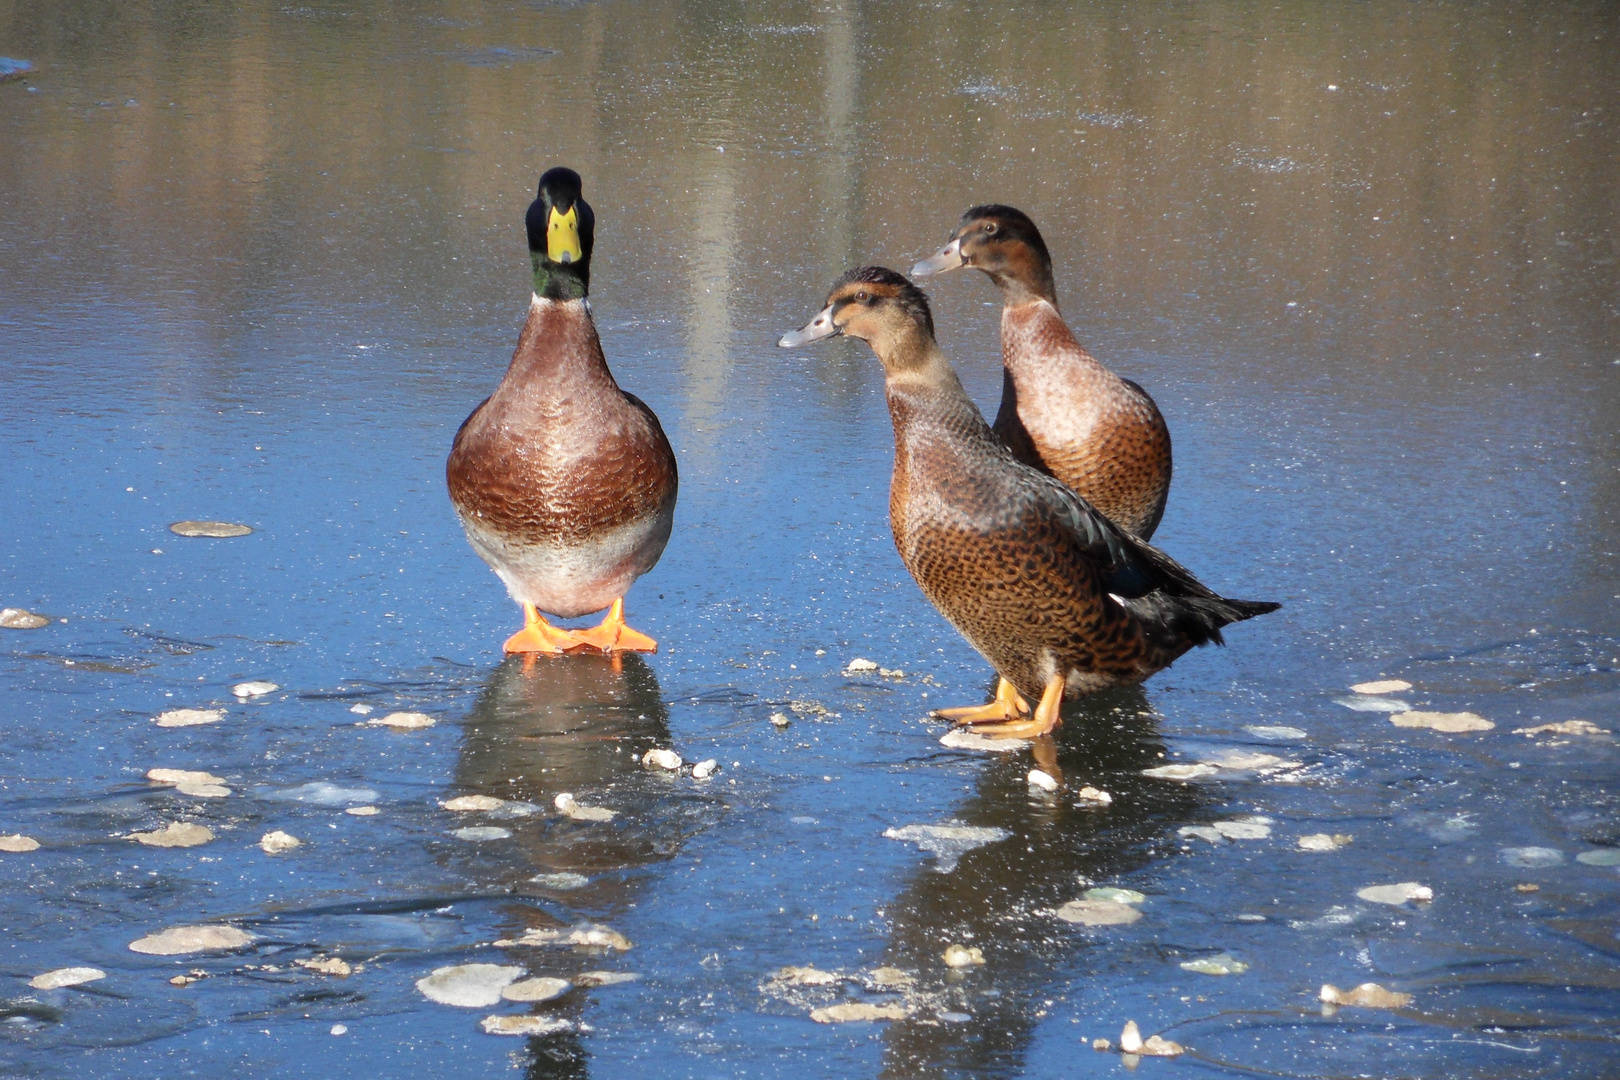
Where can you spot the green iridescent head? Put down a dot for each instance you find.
(562, 228)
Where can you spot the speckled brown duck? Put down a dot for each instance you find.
(564, 483)
(1061, 411)
(1059, 599)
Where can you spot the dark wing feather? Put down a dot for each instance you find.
(1152, 586)
(1117, 555)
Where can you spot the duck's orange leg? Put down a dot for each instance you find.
(1008, 705)
(539, 636)
(612, 635)
(1048, 714)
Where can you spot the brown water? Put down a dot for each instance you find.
(257, 261)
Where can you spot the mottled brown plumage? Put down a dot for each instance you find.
(564, 483)
(1061, 411)
(1057, 598)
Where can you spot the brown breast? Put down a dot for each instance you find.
(1064, 413)
(559, 453)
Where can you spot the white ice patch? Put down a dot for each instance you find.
(1276, 732)
(948, 843)
(961, 738)
(469, 986)
(323, 793)
(1368, 703)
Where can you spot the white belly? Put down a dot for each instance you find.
(577, 579)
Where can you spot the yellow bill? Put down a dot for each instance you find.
(562, 236)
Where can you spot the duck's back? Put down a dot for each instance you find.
(565, 483)
(1065, 414)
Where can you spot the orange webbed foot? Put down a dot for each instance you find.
(539, 636)
(1009, 704)
(1048, 715)
(612, 635)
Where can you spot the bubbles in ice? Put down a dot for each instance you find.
(1530, 856)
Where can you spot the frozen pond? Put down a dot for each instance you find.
(259, 260)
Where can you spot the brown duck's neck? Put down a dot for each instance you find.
(1035, 331)
(1016, 293)
(922, 387)
(559, 341)
(1025, 277)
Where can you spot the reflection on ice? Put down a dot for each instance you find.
(992, 899)
(569, 733)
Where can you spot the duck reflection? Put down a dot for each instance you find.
(544, 726)
(991, 898)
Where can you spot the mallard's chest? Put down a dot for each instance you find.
(559, 450)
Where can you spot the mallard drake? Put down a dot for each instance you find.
(564, 483)
(1061, 411)
(1059, 599)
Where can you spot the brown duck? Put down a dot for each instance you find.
(564, 483)
(1061, 411)
(1059, 599)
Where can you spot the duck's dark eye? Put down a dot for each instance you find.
(863, 297)
(989, 228)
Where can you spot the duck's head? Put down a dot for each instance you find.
(1005, 244)
(877, 305)
(562, 228)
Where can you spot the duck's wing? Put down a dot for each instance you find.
(1146, 581)
(467, 421)
(1127, 565)
(646, 410)
(1136, 386)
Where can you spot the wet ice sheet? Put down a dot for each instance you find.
(268, 290)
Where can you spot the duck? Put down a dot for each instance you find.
(564, 483)
(1061, 600)
(1061, 411)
